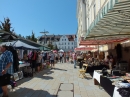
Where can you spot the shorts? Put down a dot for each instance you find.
(38, 64)
(52, 61)
(67, 58)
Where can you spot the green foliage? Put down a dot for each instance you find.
(56, 48)
(32, 37)
(28, 37)
(6, 25)
(51, 46)
(19, 35)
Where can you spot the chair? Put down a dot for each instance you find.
(83, 71)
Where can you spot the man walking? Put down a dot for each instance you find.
(6, 60)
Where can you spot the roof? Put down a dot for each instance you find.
(57, 37)
(24, 40)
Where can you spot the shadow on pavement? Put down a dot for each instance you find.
(27, 92)
(46, 77)
(60, 69)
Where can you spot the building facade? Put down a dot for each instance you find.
(64, 42)
(102, 18)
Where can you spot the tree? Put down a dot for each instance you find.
(28, 37)
(19, 35)
(56, 48)
(33, 37)
(50, 45)
(6, 25)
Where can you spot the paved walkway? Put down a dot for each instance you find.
(47, 84)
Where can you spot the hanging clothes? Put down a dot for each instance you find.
(15, 59)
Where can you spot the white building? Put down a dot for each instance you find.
(65, 42)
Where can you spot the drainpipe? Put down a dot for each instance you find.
(84, 5)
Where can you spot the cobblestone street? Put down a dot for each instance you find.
(48, 83)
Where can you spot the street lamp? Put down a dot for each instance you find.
(44, 32)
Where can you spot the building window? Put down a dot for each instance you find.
(88, 22)
(72, 43)
(65, 47)
(94, 10)
(62, 40)
(65, 39)
(65, 43)
(72, 47)
(68, 47)
(68, 43)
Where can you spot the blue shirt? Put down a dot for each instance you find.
(5, 58)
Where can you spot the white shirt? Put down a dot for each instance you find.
(61, 54)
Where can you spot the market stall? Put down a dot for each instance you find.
(109, 83)
(19, 45)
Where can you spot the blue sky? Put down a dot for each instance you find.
(55, 16)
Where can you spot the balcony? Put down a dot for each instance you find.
(112, 20)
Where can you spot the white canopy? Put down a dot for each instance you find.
(61, 50)
(19, 44)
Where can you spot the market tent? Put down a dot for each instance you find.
(84, 48)
(42, 47)
(61, 50)
(19, 45)
(102, 41)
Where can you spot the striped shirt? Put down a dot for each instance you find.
(5, 58)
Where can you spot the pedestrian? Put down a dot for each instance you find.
(33, 61)
(74, 59)
(61, 57)
(39, 59)
(64, 57)
(56, 56)
(52, 59)
(6, 60)
(67, 56)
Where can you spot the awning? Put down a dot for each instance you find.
(112, 20)
(102, 42)
(84, 49)
(19, 45)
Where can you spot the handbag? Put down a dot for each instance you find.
(5, 79)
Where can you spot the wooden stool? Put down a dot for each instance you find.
(83, 71)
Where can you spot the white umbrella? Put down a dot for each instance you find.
(61, 50)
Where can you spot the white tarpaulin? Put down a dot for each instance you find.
(19, 44)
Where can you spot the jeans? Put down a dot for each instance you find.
(74, 63)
